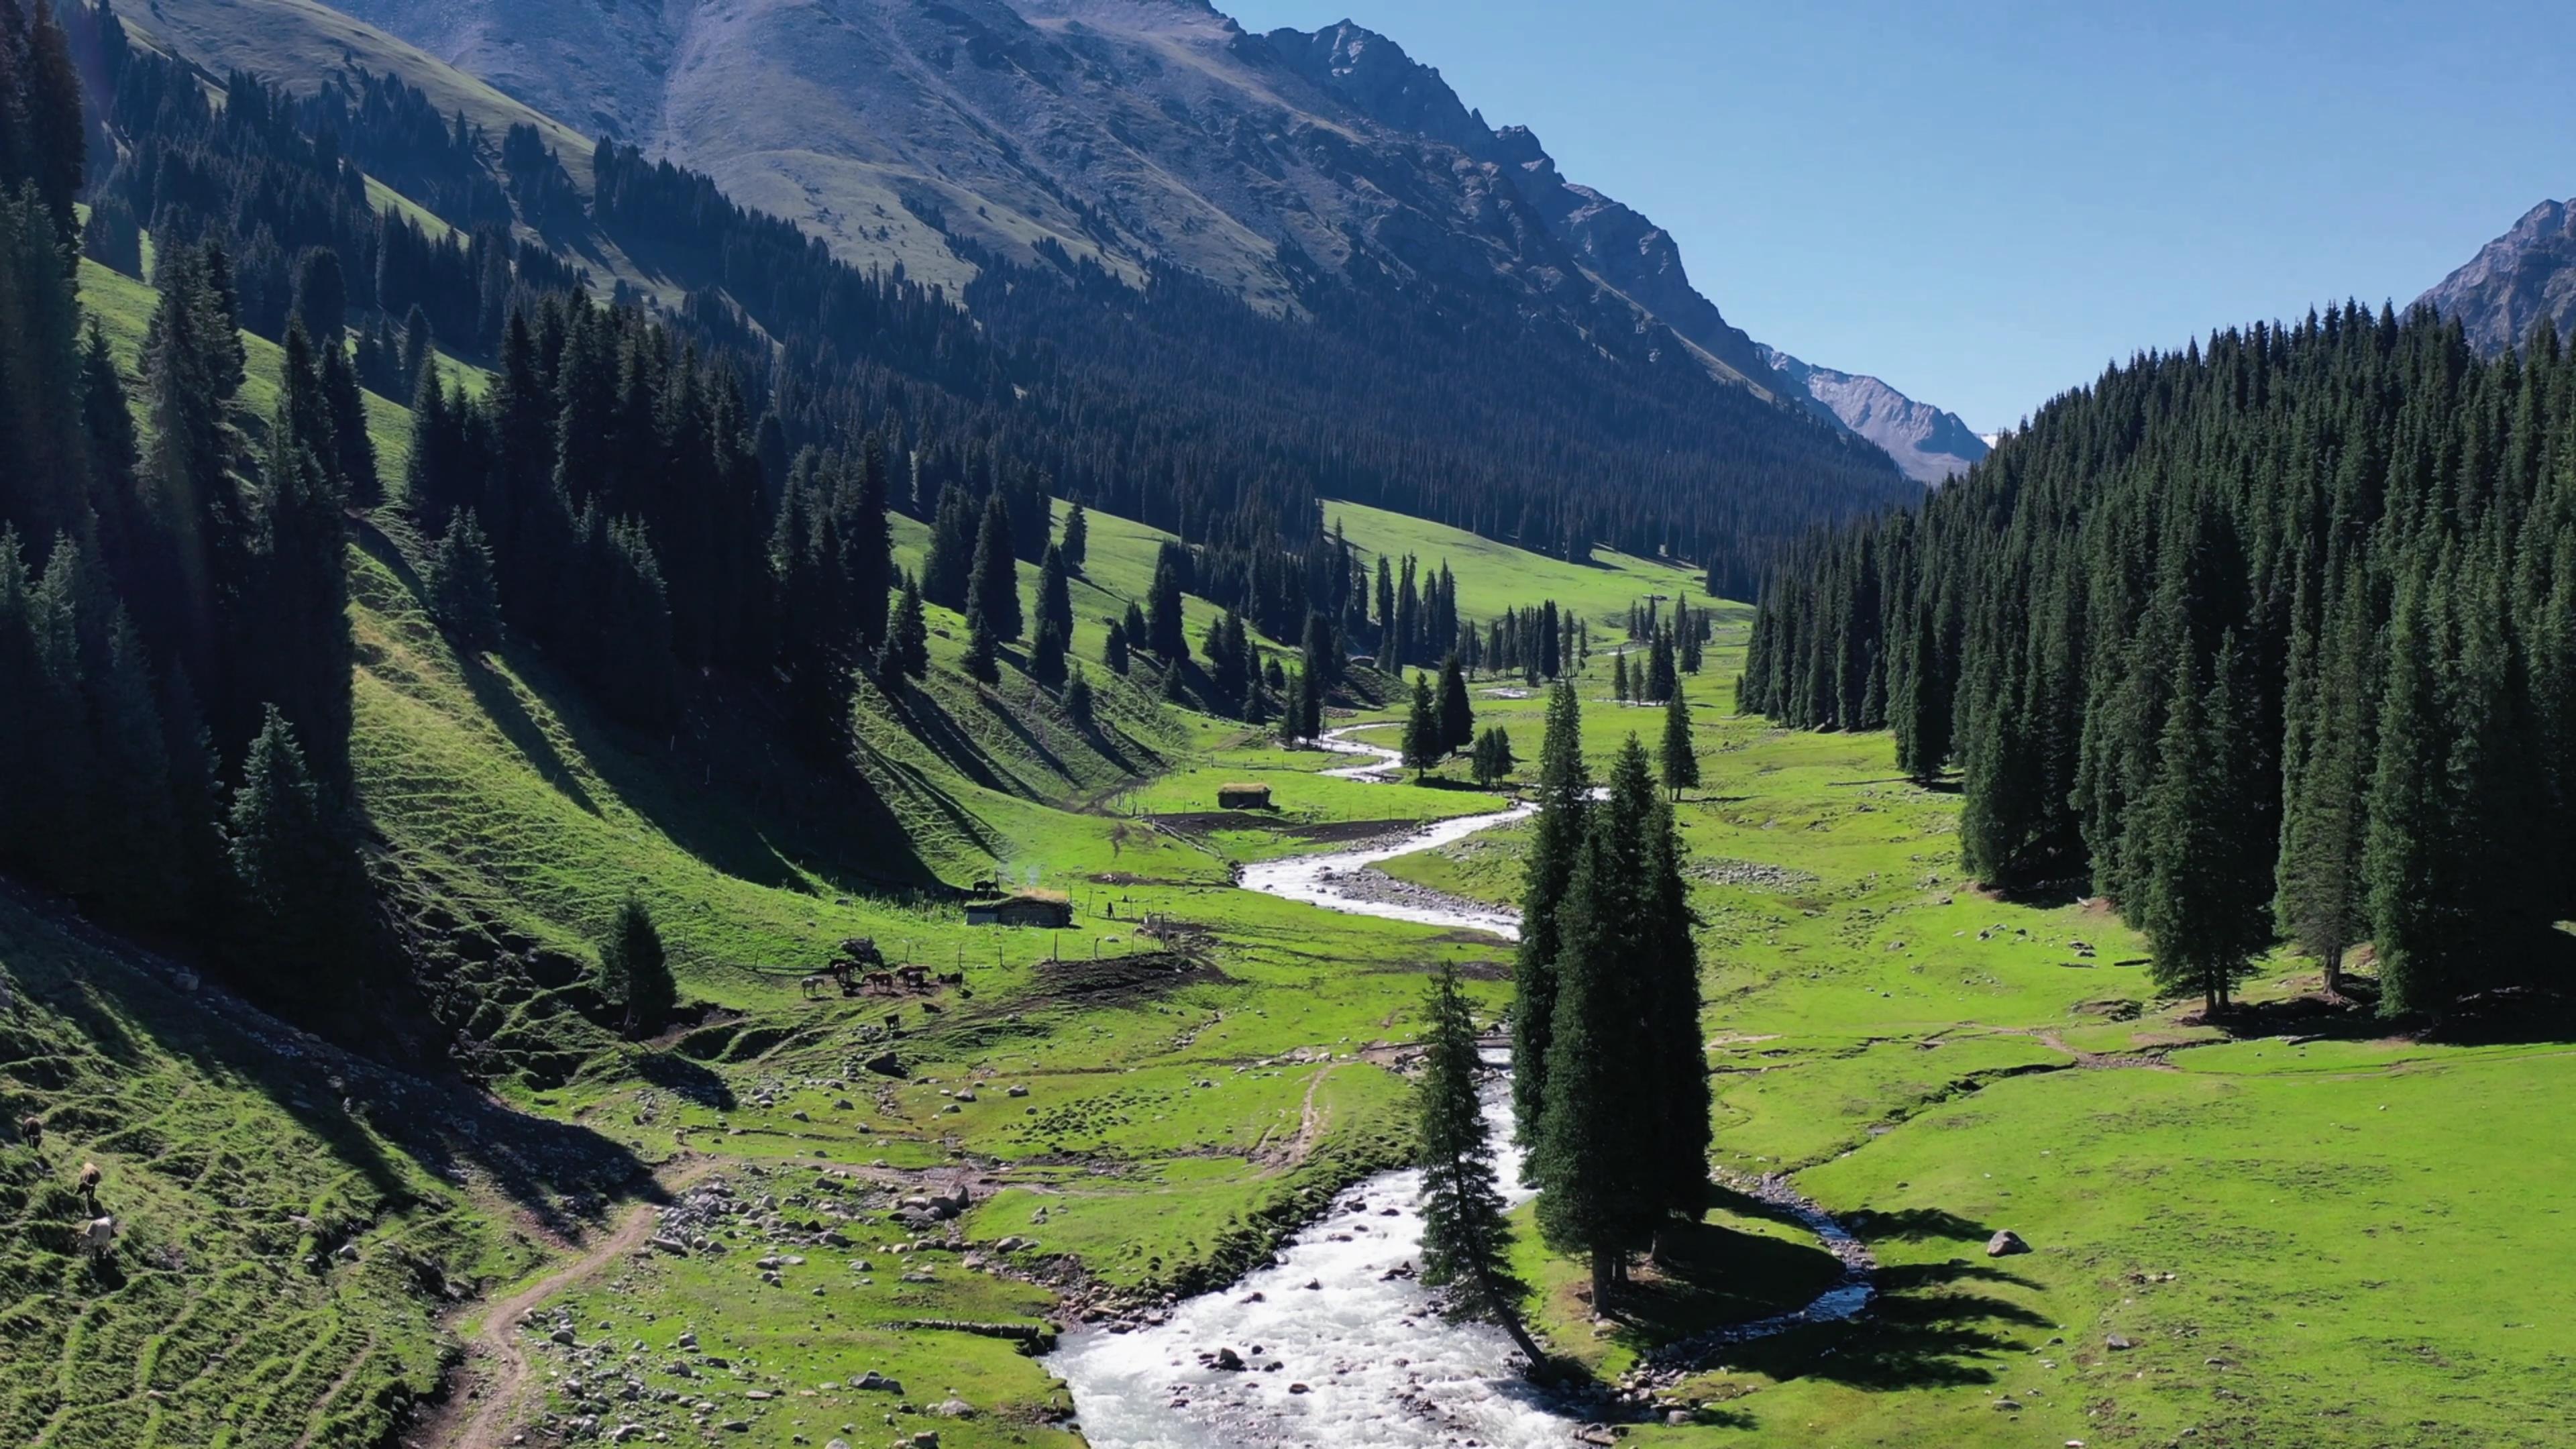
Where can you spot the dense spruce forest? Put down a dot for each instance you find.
(2271, 637)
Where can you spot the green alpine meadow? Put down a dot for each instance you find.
(1073, 723)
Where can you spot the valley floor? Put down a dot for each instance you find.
(2301, 1233)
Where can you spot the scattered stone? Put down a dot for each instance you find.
(2118, 1344)
(1299, 1389)
(2005, 1243)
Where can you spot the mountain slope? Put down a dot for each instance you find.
(1929, 444)
(1130, 132)
(2514, 281)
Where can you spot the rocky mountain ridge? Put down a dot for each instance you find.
(2515, 281)
(1929, 444)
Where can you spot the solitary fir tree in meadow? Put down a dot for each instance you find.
(635, 972)
(1113, 647)
(1680, 761)
(1492, 759)
(1466, 1240)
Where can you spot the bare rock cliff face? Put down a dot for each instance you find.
(1929, 444)
(2515, 282)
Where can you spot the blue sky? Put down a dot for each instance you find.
(1985, 202)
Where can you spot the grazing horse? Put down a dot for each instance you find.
(812, 986)
(89, 1176)
(878, 981)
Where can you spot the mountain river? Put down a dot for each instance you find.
(1340, 1346)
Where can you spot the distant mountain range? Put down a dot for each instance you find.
(2521, 277)
(1929, 444)
(1134, 133)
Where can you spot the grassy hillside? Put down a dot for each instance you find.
(291, 1221)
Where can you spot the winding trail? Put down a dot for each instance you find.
(499, 1384)
(1340, 1345)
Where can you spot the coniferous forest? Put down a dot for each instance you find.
(2270, 638)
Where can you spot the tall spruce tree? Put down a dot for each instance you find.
(1680, 759)
(1562, 796)
(2206, 898)
(1457, 715)
(1466, 1240)
(1423, 745)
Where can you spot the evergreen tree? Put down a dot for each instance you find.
(948, 568)
(1113, 647)
(1076, 546)
(463, 595)
(1078, 704)
(355, 460)
(993, 590)
(1423, 748)
(1562, 795)
(295, 883)
(635, 973)
(1590, 1149)
(321, 297)
(1457, 717)
(909, 633)
(1055, 594)
(1047, 654)
(983, 651)
(2323, 901)
(1680, 760)
(1619, 678)
(1466, 1241)
(1493, 757)
(1165, 636)
(295, 648)
(1292, 711)
(1678, 1091)
(2206, 906)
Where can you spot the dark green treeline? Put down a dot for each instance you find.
(2271, 635)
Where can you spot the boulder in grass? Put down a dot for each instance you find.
(2005, 1243)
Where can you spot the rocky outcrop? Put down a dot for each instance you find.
(2515, 282)
(1929, 444)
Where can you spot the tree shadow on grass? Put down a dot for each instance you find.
(685, 1079)
(1927, 1328)
(1705, 1276)
(500, 704)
